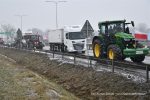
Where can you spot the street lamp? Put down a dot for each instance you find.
(56, 3)
(21, 17)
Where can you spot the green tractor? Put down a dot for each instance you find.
(116, 42)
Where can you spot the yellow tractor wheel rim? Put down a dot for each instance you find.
(111, 54)
(97, 49)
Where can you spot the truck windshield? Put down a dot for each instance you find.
(34, 37)
(76, 35)
(31, 37)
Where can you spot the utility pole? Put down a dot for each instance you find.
(56, 4)
(21, 18)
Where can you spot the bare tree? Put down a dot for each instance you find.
(8, 28)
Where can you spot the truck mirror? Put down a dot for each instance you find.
(67, 36)
(132, 22)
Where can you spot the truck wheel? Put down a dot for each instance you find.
(63, 48)
(59, 48)
(138, 58)
(114, 52)
(50, 47)
(97, 49)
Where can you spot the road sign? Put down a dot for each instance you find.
(87, 29)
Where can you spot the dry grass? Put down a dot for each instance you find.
(17, 83)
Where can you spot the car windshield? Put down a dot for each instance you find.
(76, 35)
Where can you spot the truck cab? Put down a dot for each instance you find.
(74, 39)
(33, 41)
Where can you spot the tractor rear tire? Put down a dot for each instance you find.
(114, 52)
(138, 59)
(97, 49)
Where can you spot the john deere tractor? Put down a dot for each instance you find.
(116, 42)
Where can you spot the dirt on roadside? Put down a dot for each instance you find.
(85, 83)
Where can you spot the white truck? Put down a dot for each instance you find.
(69, 38)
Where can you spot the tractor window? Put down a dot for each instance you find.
(119, 27)
(103, 29)
(115, 28)
(110, 28)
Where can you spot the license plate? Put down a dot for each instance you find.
(139, 52)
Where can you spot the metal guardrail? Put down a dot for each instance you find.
(112, 63)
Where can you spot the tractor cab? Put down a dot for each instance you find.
(116, 42)
(114, 30)
(112, 27)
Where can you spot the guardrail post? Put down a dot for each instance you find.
(34, 49)
(74, 59)
(90, 63)
(53, 54)
(112, 62)
(62, 56)
(147, 74)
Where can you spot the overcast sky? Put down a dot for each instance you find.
(41, 14)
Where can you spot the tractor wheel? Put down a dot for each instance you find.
(97, 49)
(114, 52)
(138, 58)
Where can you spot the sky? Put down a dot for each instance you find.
(41, 14)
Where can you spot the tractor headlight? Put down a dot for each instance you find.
(127, 39)
(134, 45)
